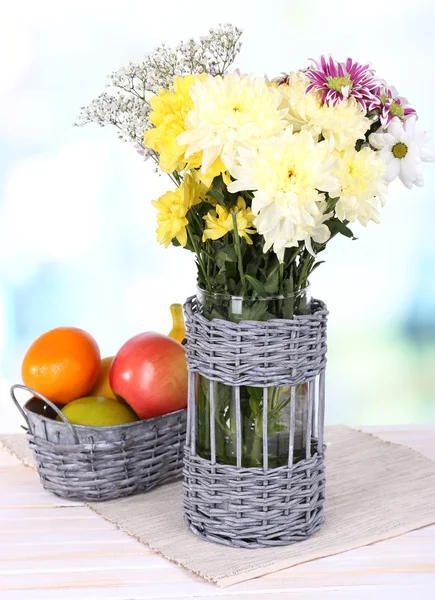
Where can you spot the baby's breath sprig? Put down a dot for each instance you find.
(128, 114)
(127, 105)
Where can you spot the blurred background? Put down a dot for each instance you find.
(77, 229)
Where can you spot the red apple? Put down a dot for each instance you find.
(150, 374)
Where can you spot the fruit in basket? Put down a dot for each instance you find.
(178, 330)
(97, 411)
(102, 385)
(62, 364)
(150, 374)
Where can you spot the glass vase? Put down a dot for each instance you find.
(279, 399)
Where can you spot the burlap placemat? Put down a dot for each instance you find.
(375, 490)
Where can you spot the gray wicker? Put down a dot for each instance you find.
(256, 507)
(102, 463)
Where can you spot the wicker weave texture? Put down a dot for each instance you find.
(253, 508)
(256, 353)
(257, 507)
(133, 458)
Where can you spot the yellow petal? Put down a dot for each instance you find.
(182, 237)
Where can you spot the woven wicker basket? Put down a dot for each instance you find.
(256, 507)
(101, 463)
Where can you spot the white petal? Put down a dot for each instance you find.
(410, 124)
(396, 129)
(419, 181)
(405, 180)
(410, 167)
(243, 180)
(321, 234)
(377, 140)
(427, 154)
(308, 246)
(280, 254)
(186, 138)
(393, 169)
(208, 157)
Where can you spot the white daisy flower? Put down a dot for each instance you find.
(404, 149)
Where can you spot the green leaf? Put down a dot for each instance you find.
(253, 405)
(251, 268)
(231, 269)
(257, 312)
(221, 277)
(203, 208)
(255, 394)
(288, 309)
(288, 285)
(219, 192)
(331, 204)
(220, 257)
(272, 282)
(256, 285)
(317, 265)
(231, 282)
(231, 253)
(336, 226)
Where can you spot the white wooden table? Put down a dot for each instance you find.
(50, 552)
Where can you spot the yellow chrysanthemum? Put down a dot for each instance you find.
(342, 125)
(173, 208)
(170, 109)
(217, 168)
(220, 222)
(286, 174)
(229, 113)
(361, 177)
(301, 107)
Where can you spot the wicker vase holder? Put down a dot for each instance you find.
(101, 463)
(256, 507)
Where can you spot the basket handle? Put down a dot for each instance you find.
(51, 404)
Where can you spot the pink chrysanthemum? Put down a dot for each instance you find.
(339, 81)
(391, 105)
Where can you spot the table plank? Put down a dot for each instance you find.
(52, 549)
(397, 591)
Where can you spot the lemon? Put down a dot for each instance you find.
(102, 385)
(97, 411)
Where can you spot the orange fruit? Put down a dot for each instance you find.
(62, 364)
(102, 385)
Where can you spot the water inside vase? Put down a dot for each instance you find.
(251, 408)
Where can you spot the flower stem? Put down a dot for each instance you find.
(239, 253)
(197, 251)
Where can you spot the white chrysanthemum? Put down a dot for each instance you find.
(229, 113)
(361, 176)
(288, 173)
(342, 124)
(302, 107)
(404, 149)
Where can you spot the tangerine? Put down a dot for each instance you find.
(62, 364)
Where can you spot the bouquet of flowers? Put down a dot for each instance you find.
(265, 173)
